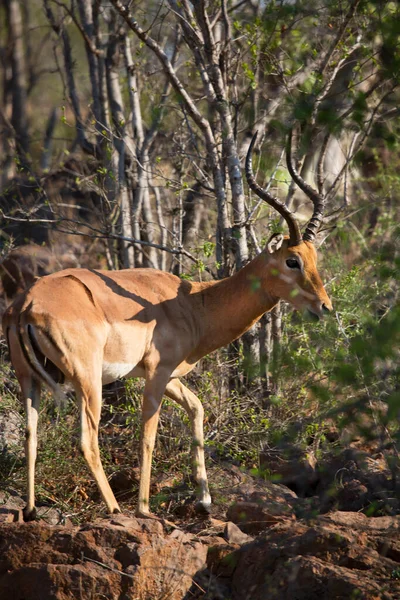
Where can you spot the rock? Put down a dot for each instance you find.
(337, 556)
(359, 520)
(222, 559)
(354, 480)
(145, 526)
(122, 558)
(178, 534)
(309, 578)
(234, 535)
(330, 559)
(350, 478)
(292, 466)
(253, 517)
(10, 515)
(51, 516)
(124, 481)
(217, 525)
(352, 496)
(13, 504)
(11, 500)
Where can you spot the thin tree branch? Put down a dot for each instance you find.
(341, 31)
(100, 235)
(321, 160)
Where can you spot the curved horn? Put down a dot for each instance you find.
(294, 228)
(317, 199)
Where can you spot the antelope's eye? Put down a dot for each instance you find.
(293, 263)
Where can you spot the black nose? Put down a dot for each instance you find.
(325, 308)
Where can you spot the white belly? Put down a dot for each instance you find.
(113, 371)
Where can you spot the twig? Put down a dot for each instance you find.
(339, 36)
(321, 160)
(87, 39)
(98, 234)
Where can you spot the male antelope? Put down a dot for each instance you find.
(91, 327)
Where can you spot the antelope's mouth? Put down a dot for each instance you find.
(313, 315)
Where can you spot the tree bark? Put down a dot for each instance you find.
(121, 144)
(18, 81)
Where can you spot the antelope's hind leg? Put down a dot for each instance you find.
(178, 392)
(31, 395)
(90, 399)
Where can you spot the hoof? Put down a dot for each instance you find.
(29, 515)
(143, 514)
(203, 508)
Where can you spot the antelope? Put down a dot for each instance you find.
(90, 327)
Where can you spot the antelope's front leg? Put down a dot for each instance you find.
(152, 400)
(178, 392)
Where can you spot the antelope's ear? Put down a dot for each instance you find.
(275, 242)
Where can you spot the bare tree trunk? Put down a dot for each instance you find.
(251, 351)
(265, 355)
(94, 55)
(194, 213)
(149, 223)
(19, 114)
(161, 224)
(7, 147)
(69, 66)
(221, 101)
(138, 136)
(276, 335)
(7, 134)
(45, 159)
(101, 65)
(121, 144)
(141, 200)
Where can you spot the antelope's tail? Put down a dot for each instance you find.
(22, 341)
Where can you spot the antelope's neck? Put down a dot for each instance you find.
(234, 304)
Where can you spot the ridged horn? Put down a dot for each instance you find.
(295, 237)
(317, 199)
